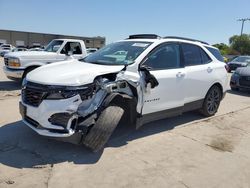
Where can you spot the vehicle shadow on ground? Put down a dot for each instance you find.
(244, 93)
(20, 147)
(9, 85)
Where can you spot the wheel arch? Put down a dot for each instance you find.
(28, 69)
(220, 87)
(126, 102)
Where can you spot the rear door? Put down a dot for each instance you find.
(165, 64)
(199, 70)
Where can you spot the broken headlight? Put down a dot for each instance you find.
(85, 92)
(61, 94)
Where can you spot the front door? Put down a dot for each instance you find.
(165, 64)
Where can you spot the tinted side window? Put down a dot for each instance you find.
(166, 56)
(216, 53)
(191, 54)
(74, 47)
(205, 58)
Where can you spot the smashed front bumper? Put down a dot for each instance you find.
(53, 118)
(59, 117)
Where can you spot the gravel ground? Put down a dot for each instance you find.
(184, 151)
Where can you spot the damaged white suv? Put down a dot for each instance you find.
(144, 77)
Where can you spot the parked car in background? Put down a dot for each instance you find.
(36, 49)
(19, 49)
(5, 48)
(241, 78)
(240, 61)
(19, 64)
(91, 50)
(143, 78)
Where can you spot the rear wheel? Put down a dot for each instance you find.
(103, 128)
(212, 101)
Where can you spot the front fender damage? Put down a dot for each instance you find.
(122, 90)
(108, 88)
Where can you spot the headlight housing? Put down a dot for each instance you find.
(61, 94)
(85, 92)
(14, 62)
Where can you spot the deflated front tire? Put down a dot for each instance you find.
(102, 130)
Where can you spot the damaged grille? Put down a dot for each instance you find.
(32, 96)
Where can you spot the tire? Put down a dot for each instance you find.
(212, 101)
(105, 125)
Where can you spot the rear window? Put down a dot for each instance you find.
(191, 54)
(216, 53)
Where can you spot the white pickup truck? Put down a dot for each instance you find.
(18, 64)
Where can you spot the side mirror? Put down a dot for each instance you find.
(144, 68)
(149, 78)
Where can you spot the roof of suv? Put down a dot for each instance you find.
(154, 38)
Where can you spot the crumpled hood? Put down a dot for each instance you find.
(34, 55)
(243, 71)
(70, 73)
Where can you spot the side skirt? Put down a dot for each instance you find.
(147, 118)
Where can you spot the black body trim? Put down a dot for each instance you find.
(193, 105)
(147, 118)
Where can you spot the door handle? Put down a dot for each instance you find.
(209, 69)
(180, 74)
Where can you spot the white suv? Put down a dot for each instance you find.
(152, 79)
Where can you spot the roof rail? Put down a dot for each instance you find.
(183, 38)
(144, 36)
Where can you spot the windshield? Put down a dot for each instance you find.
(242, 59)
(53, 46)
(119, 53)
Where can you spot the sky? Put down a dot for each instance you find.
(213, 21)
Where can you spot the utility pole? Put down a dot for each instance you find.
(243, 21)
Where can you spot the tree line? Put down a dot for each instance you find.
(238, 45)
